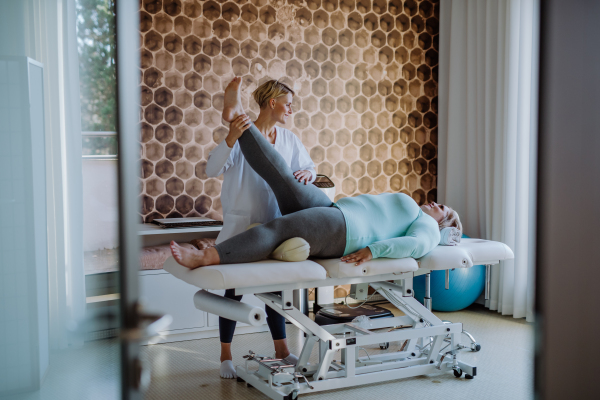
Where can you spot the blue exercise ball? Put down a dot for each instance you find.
(466, 285)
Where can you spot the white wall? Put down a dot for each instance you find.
(100, 205)
(24, 343)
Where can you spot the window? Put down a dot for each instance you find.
(97, 77)
(98, 88)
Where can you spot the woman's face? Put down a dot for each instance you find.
(282, 108)
(435, 211)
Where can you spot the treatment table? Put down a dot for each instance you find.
(429, 345)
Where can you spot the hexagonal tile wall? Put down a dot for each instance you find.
(364, 72)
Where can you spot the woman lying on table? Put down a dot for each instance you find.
(357, 229)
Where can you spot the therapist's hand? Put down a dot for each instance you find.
(303, 176)
(359, 257)
(236, 128)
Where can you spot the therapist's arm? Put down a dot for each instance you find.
(237, 128)
(220, 159)
(302, 164)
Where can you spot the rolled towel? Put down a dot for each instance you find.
(229, 308)
(449, 236)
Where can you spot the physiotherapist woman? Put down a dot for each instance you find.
(247, 199)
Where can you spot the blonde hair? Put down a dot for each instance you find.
(270, 90)
(451, 220)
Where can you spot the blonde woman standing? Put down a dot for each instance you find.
(248, 199)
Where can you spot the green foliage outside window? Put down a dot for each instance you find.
(97, 73)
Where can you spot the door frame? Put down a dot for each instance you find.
(128, 103)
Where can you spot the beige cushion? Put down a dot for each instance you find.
(229, 276)
(380, 266)
(467, 253)
(294, 249)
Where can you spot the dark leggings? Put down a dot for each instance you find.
(306, 212)
(275, 321)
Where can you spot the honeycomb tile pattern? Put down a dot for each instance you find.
(365, 74)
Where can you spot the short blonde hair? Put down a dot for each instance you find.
(270, 90)
(451, 220)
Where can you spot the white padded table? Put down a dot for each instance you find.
(271, 272)
(263, 278)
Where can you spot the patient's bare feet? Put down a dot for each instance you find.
(192, 258)
(232, 104)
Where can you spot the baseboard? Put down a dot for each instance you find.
(175, 337)
(205, 334)
(103, 334)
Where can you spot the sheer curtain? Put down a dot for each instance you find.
(54, 43)
(487, 153)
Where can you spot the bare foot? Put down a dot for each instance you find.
(232, 106)
(192, 258)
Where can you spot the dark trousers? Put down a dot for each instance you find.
(275, 321)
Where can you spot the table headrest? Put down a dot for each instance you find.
(467, 253)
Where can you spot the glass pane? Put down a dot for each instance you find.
(96, 48)
(99, 145)
(58, 324)
(97, 83)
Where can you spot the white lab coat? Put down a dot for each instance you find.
(245, 196)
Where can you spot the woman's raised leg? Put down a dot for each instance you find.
(291, 194)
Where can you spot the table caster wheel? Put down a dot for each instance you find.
(457, 372)
(384, 346)
(467, 376)
(476, 347)
(240, 379)
(292, 396)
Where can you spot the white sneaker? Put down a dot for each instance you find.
(227, 370)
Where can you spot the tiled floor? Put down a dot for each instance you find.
(189, 370)
(88, 373)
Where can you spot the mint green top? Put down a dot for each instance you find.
(392, 225)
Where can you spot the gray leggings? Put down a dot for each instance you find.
(306, 211)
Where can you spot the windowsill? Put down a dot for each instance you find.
(101, 261)
(100, 157)
(107, 260)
